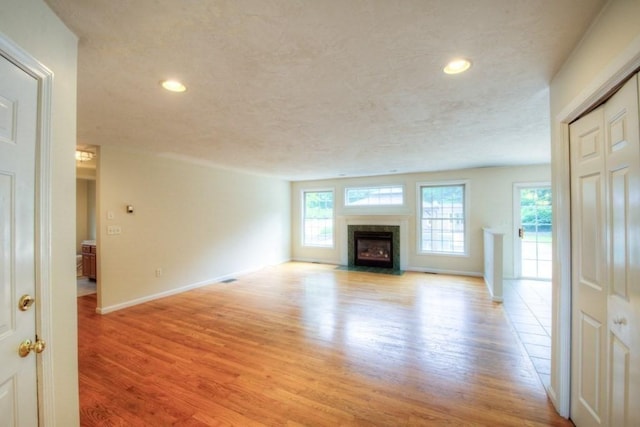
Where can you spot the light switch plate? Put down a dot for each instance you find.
(113, 230)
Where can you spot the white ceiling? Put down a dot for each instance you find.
(309, 89)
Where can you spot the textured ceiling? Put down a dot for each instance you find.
(308, 89)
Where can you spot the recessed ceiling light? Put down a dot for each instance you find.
(173, 86)
(457, 66)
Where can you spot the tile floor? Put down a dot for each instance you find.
(86, 286)
(528, 306)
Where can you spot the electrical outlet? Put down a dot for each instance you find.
(158, 272)
(113, 230)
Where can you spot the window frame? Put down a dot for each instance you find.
(372, 187)
(303, 199)
(450, 183)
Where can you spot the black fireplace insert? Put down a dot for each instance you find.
(373, 249)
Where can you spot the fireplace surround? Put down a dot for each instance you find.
(374, 246)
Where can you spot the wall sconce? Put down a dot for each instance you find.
(84, 156)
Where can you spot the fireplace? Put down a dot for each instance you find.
(374, 246)
(373, 249)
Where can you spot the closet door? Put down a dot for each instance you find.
(605, 203)
(622, 140)
(589, 271)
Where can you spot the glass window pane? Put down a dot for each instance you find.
(443, 217)
(374, 196)
(318, 218)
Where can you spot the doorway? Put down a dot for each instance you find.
(86, 228)
(18, 213)
(532, 242)
(25, 253)
(528, 297)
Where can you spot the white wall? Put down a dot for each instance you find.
(491, 205)
(598, 55)
(609, 51)
(31, 25)
(197, 224)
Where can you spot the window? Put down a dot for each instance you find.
(317, 218)
(374, 196)
(443, 218)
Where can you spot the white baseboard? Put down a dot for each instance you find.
(141, 300)
(490, 288)
(175, 291)
(179, 290)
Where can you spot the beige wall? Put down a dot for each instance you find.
(91, 210)
(31, 25)
(607, 52)
(491, 205)
(614, 31)
(197, 224)
(81, 213)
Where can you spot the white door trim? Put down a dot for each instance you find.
(43, 306)
(618, 70)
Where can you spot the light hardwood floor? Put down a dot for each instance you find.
(305, 344)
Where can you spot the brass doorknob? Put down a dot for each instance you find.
(27, 346)
(25, 303)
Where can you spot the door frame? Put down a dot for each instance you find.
(620, 68)
(44, 306)
(517, 246)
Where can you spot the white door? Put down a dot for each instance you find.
(622, 142)
(605, 187)
(589, 276)
(532, 215)
(18, 114)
